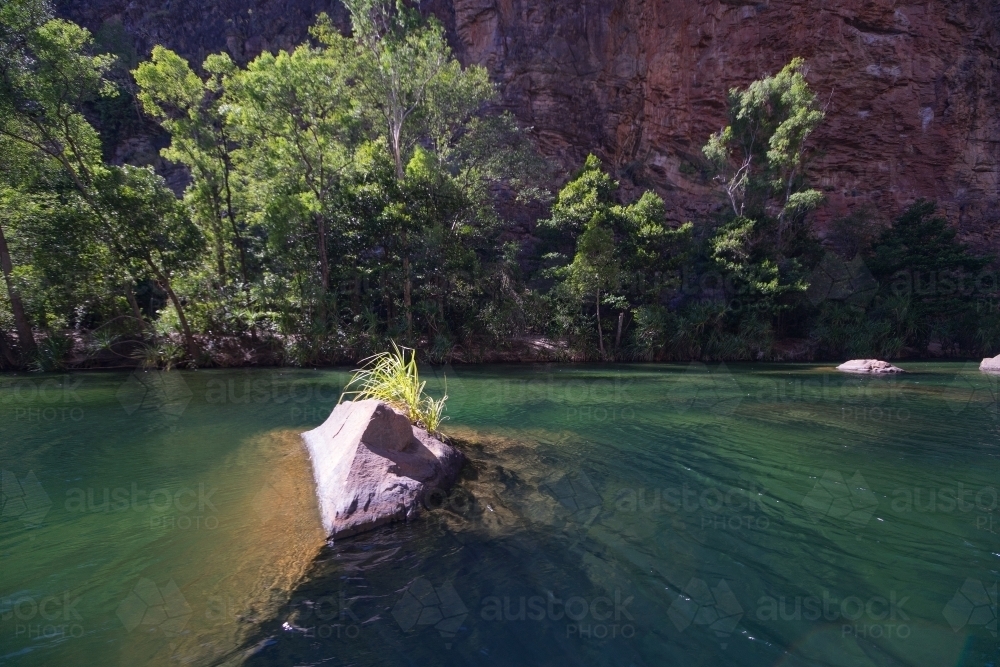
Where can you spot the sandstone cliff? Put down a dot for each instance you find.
(912, 89)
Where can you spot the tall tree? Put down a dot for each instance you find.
(44, 78)
(760, 159)
(760, 156)
(398, 62)
(48, 75)
(614, 247)
(147, 227)
(293, 117)
(190, 109)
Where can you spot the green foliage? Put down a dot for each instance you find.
(52, 354)
(753, 268)
(920, 264)
(362, 189)
(623, 256)
(761, 155)
(393, 378)
(921, 242)
(161, 353)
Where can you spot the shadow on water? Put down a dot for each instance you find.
(495, 571)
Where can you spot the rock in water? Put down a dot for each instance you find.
(990, 365)
(373, 467)
(871, 366)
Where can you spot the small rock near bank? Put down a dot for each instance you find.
(871, 366)
(372, 467)
(990, 365)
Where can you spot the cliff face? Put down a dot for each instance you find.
(912, 89)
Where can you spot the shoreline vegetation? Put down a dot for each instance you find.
(365, 189)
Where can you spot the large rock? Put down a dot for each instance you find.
(871, 366)
(990, 365)
(373, 467)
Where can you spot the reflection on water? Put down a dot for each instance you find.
(630, 515)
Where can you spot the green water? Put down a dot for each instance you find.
(609, 515)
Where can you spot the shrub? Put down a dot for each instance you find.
(392, 378)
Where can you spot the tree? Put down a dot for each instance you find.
(48, 75)
(45, 76)
(595, 267)
(399, 61)
(147, 227)
(760, 158)
(920, 258)
(293, 117)
(190, 109)
(618, 250)
(434, 117)
(761, 155)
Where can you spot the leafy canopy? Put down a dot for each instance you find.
(760, 156)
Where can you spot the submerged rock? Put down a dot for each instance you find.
(373, 467)
(991, 365)
(872, 366)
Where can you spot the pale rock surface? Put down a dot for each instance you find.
(373, 467)
(870, 366)
(991, 365)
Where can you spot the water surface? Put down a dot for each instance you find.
(610, 515)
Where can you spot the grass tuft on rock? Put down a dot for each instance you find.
(392, 377)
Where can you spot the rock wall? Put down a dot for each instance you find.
(912, 89)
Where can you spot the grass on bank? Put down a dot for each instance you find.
(393, 378)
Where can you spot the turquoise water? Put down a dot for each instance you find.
(610, 515)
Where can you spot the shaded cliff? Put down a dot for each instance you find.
(912, 90)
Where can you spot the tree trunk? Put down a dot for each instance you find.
(387, 299)
(600, 333)
(324, 261)
(324, 268)
(356, 295)
(230, 213)
(618, 336)
(220, 252)
(7, 358)
(136, 312)
(397, 150)
(407, 296)
(192, 348)
(442, 286)
(24, 334)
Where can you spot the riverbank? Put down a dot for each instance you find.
(73, 350)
